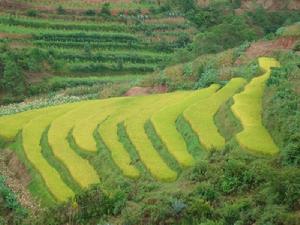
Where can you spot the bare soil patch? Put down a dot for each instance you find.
(140, 91)
(266, 48)
(17, 179)
(36, 77)
(14, 36)
(271, 5)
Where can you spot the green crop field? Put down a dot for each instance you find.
(81, 121)
(66, 48)
(98, 47)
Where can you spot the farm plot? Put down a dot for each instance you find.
(82, 120)
(247, 108)
(83, 129)
(135, 123)
(32, 133)
(109, 133)
(10, 125)
(80, 169)
(96, 46)
(164, 124)
(201, 114)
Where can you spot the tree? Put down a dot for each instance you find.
(105, 10)
(60, 10)
(185, 6)
(232, 32)
(13, 80)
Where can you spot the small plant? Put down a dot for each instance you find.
(105, 10)
(90, 12)
(10, 200)
(188, 69)
(178, 206)
(32, 13)
(60, 10)
(207, 77)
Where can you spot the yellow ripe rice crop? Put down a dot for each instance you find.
(80, 169)
(109, 133)
(164, 122)
(135, 123)
(83, 129)
(32, 133)
(201, 114)
(10, 125)
(247, 108)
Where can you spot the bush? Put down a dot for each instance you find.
(247, 71)
(239, 212)
(281, 109)
(90, 12)
(60, 10)
(200, 172)
(105, 10)
(232, 32)
(198, 209)
(284, 188)
(207, 191)
(13, 80)
(207, 76)
(32, 13)
(237, 177)
(188, 69)
(271, 21)
(11, 203)
(88, 205)
(275, 215)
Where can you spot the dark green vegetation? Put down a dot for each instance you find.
(10, 207)
(100, 55)
(35, 48)
(282, 104)
(37, 45)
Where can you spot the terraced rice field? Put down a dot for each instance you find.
(96, 47)
(248, 108)
(83, 120)
(201, 114)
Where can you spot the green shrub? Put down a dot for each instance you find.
(207, 77)
(188, 69)
(281, 109)
(88, 205)
(11, 202)
(198, 209)
(32, 13)
(90, 12)
(207, 191)
(60, 10)
(284, 188)
(275, 215)
(105, 10)
(232, 32)
(248, 71)
(271, 21)
(237, 177)
(200, 172)
(13, 80)
(239, 212)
